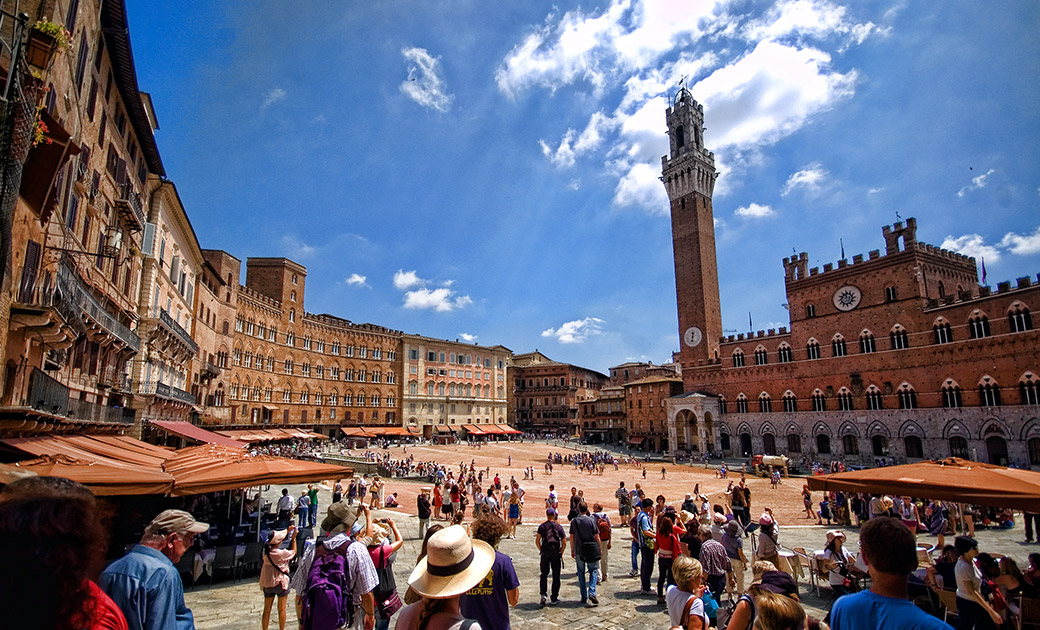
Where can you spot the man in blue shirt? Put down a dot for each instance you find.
(890, 552)
(145, 583)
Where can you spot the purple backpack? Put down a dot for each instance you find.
(326, 600)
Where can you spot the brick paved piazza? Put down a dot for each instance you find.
(238, 605)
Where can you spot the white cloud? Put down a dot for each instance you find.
(424, 84)
(298, 250)
(808, 18)
(754, 211)
(770, 93)
(576, 331)
(418, 297)
(874, 191)
(772, 76)
(808, 179)
(976, 183)
(405, 279)
(442, 300)
(572, 144)
(272, 96)
(1024, 245)
(574, 184)
(357, 280)
(468, 338)
(641, 187)
(971, 245)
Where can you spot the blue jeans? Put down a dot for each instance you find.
(303, 516)
(593, 569)
(635, 557)
(313, 514)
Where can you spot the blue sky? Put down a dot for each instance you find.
(489, 172)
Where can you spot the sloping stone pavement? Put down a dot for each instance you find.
(237, 606)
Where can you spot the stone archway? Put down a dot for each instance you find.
(745, 445)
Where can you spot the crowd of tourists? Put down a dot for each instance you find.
(719, 562)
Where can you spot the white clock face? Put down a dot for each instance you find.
(847, 298)
(693, 336)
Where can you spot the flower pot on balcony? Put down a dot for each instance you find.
(40, 49)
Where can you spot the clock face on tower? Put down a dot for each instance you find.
(693, 336)
(847, 298)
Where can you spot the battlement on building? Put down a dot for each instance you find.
(757, 335)
(899, 238)
(339, 322)
(256, 296)
(985, 292)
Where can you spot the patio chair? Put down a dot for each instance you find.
(186, 566)
(253, 556)
(1029, 614)
(949, 602)
(224, 560)
(821, 574)
(806, 564)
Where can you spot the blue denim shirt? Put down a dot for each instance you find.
(148, 589)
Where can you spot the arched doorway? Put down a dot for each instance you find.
(997, 448)
(823, 444)
(745, 445)
(709, 432)
(769, 444)
(880, 444)
(724, 441)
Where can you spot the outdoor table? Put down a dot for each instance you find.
(789, 564)
(204, 560)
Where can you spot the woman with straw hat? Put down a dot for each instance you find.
(453, 565)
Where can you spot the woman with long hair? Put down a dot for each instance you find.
(56, 543)
(274, 574)
(453, 565)
(667, 551)
(514, 513)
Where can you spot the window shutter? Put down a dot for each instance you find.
(148, 240)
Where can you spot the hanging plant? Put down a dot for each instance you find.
(40, 130)
(45, 39)
(62, 36)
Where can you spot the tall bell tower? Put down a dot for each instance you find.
(688, 173)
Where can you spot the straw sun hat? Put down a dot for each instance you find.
(453, 564)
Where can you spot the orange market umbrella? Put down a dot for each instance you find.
(212, 467)
(952, 479)
(102, 479)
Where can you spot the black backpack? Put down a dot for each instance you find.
(552, 545)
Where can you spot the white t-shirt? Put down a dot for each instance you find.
(967, 574)
(676, 601)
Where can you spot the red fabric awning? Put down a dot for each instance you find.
(192, 432)
(950, 479)
(212, 467)
(474, 430)
(635, 440)
(102, 479)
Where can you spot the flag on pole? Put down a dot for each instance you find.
(842, 248)
(984, 271)
(751, 327)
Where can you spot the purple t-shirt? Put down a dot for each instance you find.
(486, 602)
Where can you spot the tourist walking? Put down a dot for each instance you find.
(667, 550)
(585, 551)
(551, 542)
(683, 597)
(733, 542)
(715, 562)
(286, 507)
(303, 508)
(489, 601)
(425, 510)
(274, 574)
(453, 565)
(624, 502)
(647, 545)
(145, 584)
(603, 525)
(768, 543)
(312, 495)
(974, 612)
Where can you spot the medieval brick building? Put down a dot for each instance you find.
(900, 354)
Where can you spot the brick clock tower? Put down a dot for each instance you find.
(688, 173)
